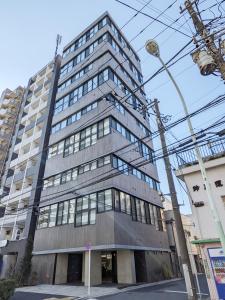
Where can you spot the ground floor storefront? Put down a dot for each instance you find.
(124, 266)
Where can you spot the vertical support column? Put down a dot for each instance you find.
(61, 269)
(126, 267)
(96, 270)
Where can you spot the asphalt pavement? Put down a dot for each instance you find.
(168, 291)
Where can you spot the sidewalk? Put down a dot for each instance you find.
(81, 292)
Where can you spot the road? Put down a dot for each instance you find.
(168, 291)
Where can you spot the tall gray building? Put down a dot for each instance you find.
(100, 187)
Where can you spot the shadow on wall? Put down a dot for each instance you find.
(152, 266)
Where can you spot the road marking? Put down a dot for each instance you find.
(182, 292)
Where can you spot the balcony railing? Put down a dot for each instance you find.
(211, 150)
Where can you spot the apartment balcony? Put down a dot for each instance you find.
(6, 123)
(17, 195)
(10, 219)
(4, 136)
(9, 103)
(23, 157)
(209, 151)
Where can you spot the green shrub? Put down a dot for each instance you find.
(7, 288)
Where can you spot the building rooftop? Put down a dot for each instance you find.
(209, 151)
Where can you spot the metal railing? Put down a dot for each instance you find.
(210, 150)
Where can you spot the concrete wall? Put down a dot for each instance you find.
(203, 218)
(126, 267)
(61, 268)
(96, 268)
(158, 265)
(8, 265)
(43, 269)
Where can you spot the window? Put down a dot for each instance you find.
(143, 149)
(85, 210)
(52, 215)
(105, 201)
(43, 217)
(71, 211)
(82, 90)
(84, 38)
(82, 210)
(75, 77)
(72, 174)
(81, 56)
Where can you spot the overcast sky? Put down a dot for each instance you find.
(28, 32)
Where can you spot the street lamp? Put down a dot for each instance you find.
(153, 48)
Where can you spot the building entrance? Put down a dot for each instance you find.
(109, 267)
(74, 272)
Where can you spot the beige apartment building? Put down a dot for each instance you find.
(10, 102)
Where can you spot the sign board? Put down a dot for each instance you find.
(217, 259)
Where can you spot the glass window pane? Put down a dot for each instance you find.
(71, 211)
(108, 200)
(79, 204)
(122, 202)
(60, 214)
(85, 202)
(85, 218)
(92, 216)
(65, 212)
(101, 201)
(93, 200)
(52, 216)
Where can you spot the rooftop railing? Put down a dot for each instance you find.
(210, 150)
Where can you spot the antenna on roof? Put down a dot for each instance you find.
(58, 42)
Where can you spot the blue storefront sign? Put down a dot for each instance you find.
(217, 259)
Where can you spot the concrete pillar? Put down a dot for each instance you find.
(61, 268)
(83, 267)
(126, 267)
(96, 268)
(8, 265)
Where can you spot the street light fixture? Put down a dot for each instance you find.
(152, 48)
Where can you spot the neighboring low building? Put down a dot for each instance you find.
(10, 102)
(190, 234)
(213, 256)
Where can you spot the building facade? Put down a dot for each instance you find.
(213, 154)
(190, 234)
(20, 183)
(10, 103)
(100, 188)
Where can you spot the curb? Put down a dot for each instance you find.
(127, 289)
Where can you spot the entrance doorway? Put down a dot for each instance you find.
(74, 273)
(109, 267)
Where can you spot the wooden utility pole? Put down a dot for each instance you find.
(207, 38)
(185, 260)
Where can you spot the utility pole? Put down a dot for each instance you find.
(186, 264)
(213, 52)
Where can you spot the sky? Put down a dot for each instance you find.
(28, 32)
